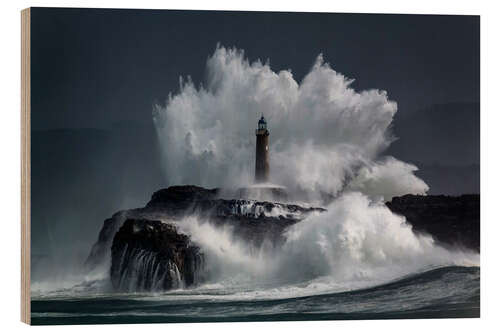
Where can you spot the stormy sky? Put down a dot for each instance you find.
(97, 68)
(97, 74)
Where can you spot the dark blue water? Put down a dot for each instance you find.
(449, 292)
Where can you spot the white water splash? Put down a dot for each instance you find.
(356, 243)
(322, 130)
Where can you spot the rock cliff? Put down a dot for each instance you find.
(147, 252)
(151, 255)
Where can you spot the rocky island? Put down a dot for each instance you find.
(149, 252)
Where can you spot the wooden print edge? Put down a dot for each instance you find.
(25, 166)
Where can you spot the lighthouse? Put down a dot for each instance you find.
(262, 152)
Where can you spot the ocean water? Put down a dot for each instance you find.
(444, 292)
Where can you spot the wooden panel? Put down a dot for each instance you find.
(25, 167)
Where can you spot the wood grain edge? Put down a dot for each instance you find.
(25, 166)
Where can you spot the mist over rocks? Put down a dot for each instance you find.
(158, 247)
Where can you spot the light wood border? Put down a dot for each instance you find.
(25, 166)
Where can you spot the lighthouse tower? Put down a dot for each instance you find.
(262, 152)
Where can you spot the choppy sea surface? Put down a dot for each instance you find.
(445, 292)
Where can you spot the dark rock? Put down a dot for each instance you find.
(151, 255)
(100, 250)
(452, 221)
(179, 199)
